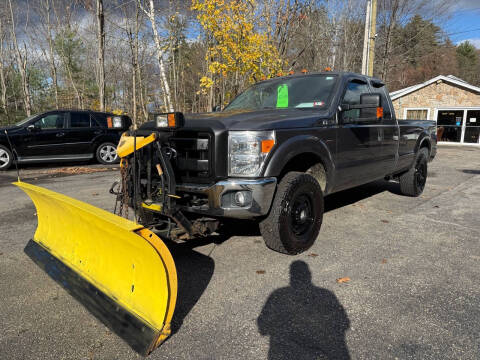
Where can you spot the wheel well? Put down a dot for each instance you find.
(425, 144)
(307, 163)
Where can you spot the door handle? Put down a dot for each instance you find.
(60, 134)
(98, 132)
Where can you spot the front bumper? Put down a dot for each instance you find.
(261, 190)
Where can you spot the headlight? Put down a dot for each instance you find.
(247, 151)
(117, 122)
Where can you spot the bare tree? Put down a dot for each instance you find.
(3, 84)
(22, 63)
(101, 54)
(151, 14)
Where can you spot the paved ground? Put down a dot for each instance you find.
(414, 265)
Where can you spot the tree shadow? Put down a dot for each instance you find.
(194, 272)
(304, 321)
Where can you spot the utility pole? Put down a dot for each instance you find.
(369, 38)
(373, 35)
(366, 39)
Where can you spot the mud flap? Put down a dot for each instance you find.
(120, 271)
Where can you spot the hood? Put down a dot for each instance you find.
(9, 128)
(268, 119)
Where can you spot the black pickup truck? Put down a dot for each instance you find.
(272, 155)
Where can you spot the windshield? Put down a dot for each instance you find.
(312, 91)
(24, 121)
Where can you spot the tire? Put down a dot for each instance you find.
(105, 153)
(6, 158)
(413, 181)
(296, 215)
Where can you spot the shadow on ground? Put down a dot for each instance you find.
(332, 202)
(304, 321)
(350, 196)
(194, 272)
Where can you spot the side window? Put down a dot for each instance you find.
(352, 97)
(99, 120)
(52, 121)
(79, 120)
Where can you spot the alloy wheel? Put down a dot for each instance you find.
(108, 153)
(4, 158)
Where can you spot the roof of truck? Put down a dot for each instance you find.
(336, 73)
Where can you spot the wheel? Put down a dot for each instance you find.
(296, 214)
(6, 158)
(413, 181)
(107, 154)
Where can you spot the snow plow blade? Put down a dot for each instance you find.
(120, 271)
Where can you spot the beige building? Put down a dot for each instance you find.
(453, 103)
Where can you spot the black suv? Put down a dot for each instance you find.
(63, 135)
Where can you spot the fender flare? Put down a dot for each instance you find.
(297, 145)
(424, 137)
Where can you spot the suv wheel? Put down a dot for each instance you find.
(296, 215)
(413, 181)
(107, 154)
(6, 158)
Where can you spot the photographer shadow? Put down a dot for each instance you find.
(304, 321)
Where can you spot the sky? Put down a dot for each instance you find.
(463, 22)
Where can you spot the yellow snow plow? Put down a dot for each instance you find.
(119, 270)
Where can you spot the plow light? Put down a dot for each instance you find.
(169, 120)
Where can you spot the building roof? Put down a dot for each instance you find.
(448, 79)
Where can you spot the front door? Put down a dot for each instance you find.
(359, 144)
(47, 138)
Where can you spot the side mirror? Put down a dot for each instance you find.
(370, 107)
(216, 108)
(31, 127)
(374, 104)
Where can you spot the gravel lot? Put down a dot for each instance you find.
(413, 264)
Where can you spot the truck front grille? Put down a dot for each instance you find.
(193, 161)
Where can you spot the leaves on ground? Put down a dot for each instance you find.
(343, 280)
(261, 271)
(313, 255)
(76, 170)
(385, 221)
(384, 261)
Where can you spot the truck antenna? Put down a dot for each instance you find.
(15, 155)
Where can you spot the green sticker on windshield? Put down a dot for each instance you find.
(282, 96)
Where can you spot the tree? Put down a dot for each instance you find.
(151, 14)
(101, 54)
(238, 51)
(467, 58)
(21, 63)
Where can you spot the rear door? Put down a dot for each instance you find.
(47, 138)
(359, 144)
(81, 133)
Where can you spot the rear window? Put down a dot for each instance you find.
(79, 120)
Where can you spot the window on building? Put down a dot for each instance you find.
(417, 114)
